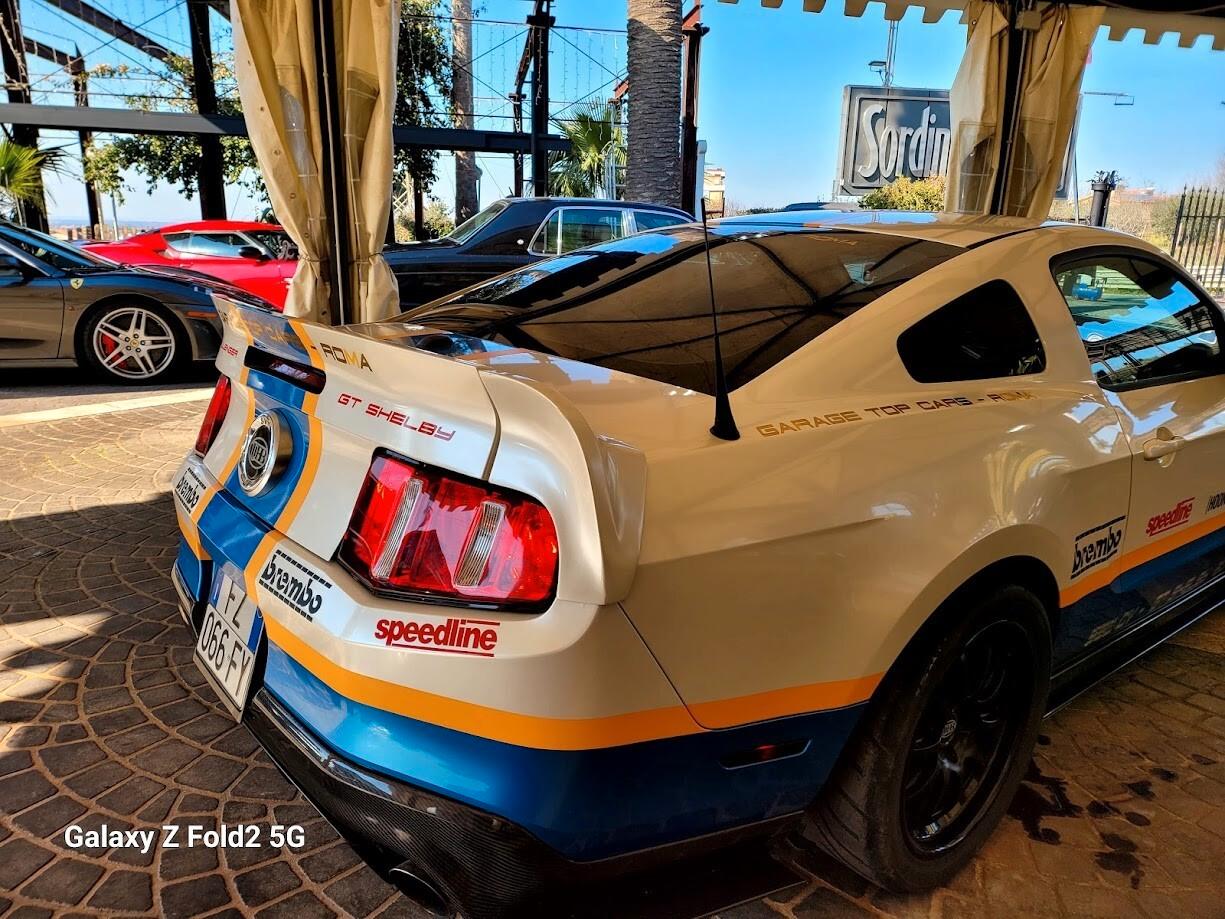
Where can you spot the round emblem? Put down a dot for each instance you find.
(265, 452)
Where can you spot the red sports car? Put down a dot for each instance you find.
(258, 257)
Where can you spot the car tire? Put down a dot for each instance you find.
(980, 669)
(133, 343)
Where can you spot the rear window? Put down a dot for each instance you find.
(641, 305)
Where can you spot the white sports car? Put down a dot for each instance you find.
(489, 590)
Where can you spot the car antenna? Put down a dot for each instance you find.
(725, 425)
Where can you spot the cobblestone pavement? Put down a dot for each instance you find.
(104, 721)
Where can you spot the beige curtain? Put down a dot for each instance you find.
(1050, 90)
(274, 44)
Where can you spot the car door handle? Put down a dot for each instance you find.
(1163, 444)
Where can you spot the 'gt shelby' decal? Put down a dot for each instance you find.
(1097, 545)
(296, 585)
(400, 418)
(455, 636)
(189, 489)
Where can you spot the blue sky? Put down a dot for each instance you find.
(771, 93)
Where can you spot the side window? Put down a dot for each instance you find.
(546, 239)
(586, 226)
(177, 241)
(983, 334)
(1139, 323)
(225, 245)
(653, 220)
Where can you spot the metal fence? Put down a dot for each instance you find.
(1199, 236)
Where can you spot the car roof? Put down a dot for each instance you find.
(596, 202)
(215, 225)
(961, 230)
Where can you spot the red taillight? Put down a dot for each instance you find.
(217, 407)
(419, 532)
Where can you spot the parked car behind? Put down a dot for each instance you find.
(514, 232)
(257, 257)
(62, 305)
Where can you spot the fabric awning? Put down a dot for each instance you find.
(279, 83)
(1059, 40)
(1118, 16)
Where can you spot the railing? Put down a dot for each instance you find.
(1199, 236)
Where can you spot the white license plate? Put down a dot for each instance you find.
(229, 639)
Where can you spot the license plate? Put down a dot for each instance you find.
(229, 640)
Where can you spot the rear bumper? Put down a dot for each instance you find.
(490, 819)
(489, 865)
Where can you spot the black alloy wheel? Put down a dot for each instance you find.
(966, 737)
(943, 743)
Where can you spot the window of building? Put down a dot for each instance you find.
(984, 334)
(1139, 322)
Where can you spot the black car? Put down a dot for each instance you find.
(511, 233)
(61, 305)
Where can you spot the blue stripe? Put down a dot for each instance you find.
(191, 569)
(269, 505)
(1137, 594)
(586, 804)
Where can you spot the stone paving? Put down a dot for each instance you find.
(104, 721)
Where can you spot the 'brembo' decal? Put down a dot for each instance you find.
(189, 489)
(1098, 545)
(301, 589)
(893, 410)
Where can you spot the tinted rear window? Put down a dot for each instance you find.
(641, 305)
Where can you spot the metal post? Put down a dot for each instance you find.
(540, 23)
(1018, 49)
(418, 211)
(516, 102)
(17, 80)
(692, 31)
(334, 171)
(1182, 200)
(1103, 184)
(80, 86)
(211, 177)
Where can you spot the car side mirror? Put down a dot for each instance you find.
(252, 252)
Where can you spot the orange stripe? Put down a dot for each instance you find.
(1105, 576)
(495, 724)
(314, 449)
(256, 562)
(191, 535)
(558, 733)
(778, 703)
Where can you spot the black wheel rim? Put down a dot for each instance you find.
(966, 737)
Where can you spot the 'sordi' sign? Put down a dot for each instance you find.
(889, 133)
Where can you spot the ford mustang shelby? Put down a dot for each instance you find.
(486, 586)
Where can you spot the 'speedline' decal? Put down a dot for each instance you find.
(1176, 516)
(478, 637)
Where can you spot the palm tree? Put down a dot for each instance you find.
(595, 138)
(21, 174)
(654, 55)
